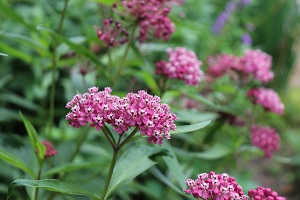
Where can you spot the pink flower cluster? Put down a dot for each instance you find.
(266, 139)
(182, 64)
(112, 33)
(50, 151)
(261, 193)
(152, 16)
(214, 186)
(253, 62)
(268, 98)
(141, 110)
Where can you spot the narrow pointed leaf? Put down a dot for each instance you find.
(80, 49)
(69, 167)
(133, 162)
(174, 166)
(190, 128)
(51, 185)
(33, 136)
(9, 158)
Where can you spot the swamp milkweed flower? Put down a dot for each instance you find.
(261, 193)
(214, 186)
(140, 110)
(267, 98)
(152, 16)
(50, 151)
(182, 64)
(265, 138)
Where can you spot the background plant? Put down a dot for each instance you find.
(54, 53)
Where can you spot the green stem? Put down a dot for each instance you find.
(108, 138)
(128, 138)
(110, 66)
(36, 190)
(122, 64)
(54, 68)
(111, 169)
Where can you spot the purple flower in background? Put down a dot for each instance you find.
(223, 17)
(245, 2)
(246, 39)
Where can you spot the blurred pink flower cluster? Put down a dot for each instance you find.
(141, 110)
(152, 16)
(215, 186)
(265, 138)
(50, 151)
(261, 193)
(268, 98)
(182, 64)
(253, 62)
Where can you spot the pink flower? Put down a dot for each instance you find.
(261, 193)
(183, 65)
(50, 151)
(112, 33)
(266, 139)
(141, 110)
(258, 63)
(214, 186)
(268, 98)
(152, 16)
(254, 62)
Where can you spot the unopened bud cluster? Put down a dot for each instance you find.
(112, 33)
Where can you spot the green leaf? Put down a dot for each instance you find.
(51, 185)
(5, 79)
(174, 166)
(12, 14)
(80, 49)
(106, 2)
(68, 167)
(20, 101)
(133, 162)
(41, 150)
(160, 176)
(190, 128)
(215, 152)
(15, 52)
(33, 136)
(3, 54)
(7, 157)
(149, 80)
(194, 116)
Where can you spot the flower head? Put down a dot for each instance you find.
(50, 151)
(215, 186)
(152, 16)
(112, 33)
(253, 63)
(182, 64)
(264, 193)
(266, 139)
(141, 110)
(268, 98)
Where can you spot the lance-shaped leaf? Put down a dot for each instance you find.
(80, 49)
(7, 157)
(191, 127)
(51, 185)
(133, 162)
